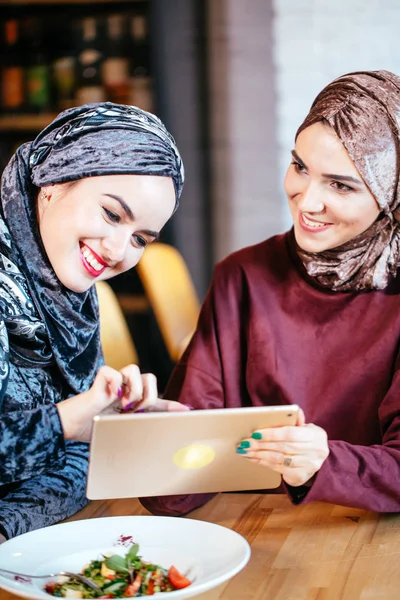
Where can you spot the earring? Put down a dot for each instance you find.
(43, 195)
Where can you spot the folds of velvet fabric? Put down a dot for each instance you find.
(105, 139)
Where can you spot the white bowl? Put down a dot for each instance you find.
(210, 553)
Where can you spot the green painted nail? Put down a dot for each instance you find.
(241, 451)
(256, 435)
(244, 444)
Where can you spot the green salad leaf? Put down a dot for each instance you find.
(132, 553)
(116, 563)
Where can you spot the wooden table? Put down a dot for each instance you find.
(316, 552)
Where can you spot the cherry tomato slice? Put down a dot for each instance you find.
(177, 579)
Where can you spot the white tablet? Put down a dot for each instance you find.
(156, 454)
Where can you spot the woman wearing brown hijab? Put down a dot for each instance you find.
(312, 317)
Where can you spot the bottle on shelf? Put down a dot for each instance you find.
(115, 69)
(89, 61)
(49, 63)
(37, 72)
(64, 68)
(12, 70)
(141, 83)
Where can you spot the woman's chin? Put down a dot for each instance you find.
(311, 245)
(78, 285)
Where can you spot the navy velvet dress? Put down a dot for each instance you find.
(42, 476)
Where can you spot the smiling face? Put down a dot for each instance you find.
(329, 202)
(98, 227)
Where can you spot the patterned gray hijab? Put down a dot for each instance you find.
(364, 111)
(41, 322)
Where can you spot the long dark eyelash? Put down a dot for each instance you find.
(141, 241)
(112, 216)
(343, 187)
(297, 165)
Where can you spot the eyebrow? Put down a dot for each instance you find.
(347, 178)
(131, 216)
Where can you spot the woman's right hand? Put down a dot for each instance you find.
(128, 387)
(76, 413)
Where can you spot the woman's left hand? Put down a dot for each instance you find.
(296, 452)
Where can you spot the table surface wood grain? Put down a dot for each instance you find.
(313, 552)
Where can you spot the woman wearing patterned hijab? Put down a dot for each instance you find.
(78, 205)
(312, 317)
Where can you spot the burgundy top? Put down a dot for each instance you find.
(268, 335)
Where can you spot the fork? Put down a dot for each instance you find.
(27, 578)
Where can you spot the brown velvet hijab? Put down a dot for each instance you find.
(364, 111)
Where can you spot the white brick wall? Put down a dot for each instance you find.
(244, 160)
